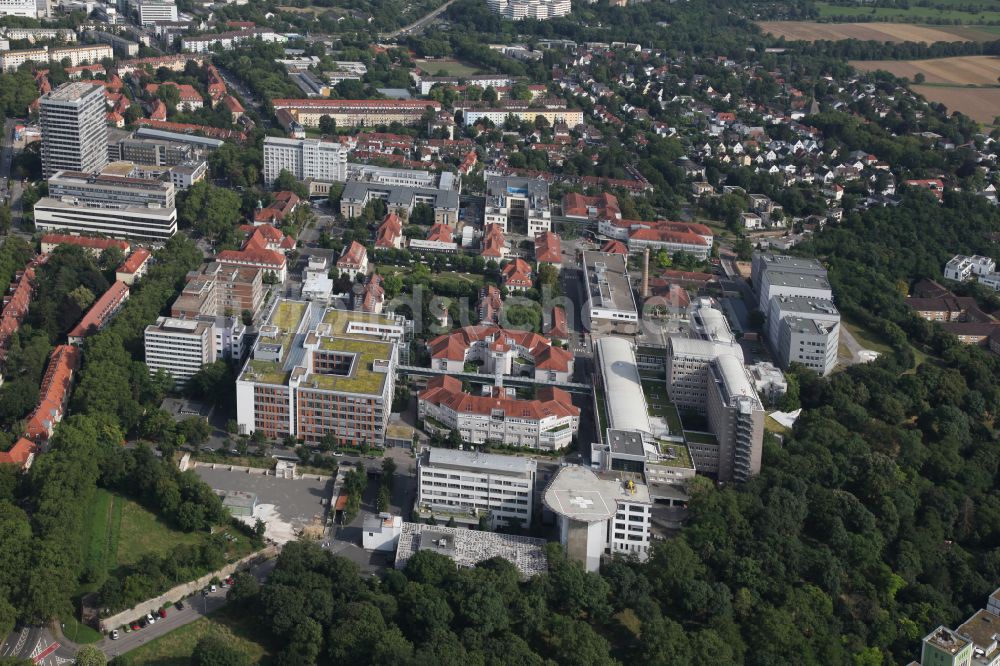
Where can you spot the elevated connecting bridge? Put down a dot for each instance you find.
(508, 380)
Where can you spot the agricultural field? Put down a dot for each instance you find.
(980, 104)
(960, 71)
(811, 31)
(915, 14)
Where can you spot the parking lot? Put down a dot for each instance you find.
(285, 505)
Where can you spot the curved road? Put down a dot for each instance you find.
(419, 24)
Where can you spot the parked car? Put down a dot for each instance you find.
(142, 624)
(114, 634)
(150, 618)
(214, 588)
(179, 605)
(163, 612)
(235, 452)
(127, 628)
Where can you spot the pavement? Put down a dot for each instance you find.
(419, 24)
(47, 647)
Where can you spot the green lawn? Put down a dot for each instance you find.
(79, 633)
(176, 648)
(659, 403)
(453, 67)
(143, 532)
(104, 527)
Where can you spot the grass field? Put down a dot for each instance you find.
(913, 13)
(177, 647)
(811, 31)
(453, 67)
(104, 528)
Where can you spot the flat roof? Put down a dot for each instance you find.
(790, 264)
(778, 278)
(580, 494)
(808, 325)
(73, 92)
(468, 547)
(480, 462)
(807, 305)
(357, 190)
(981, 629)
(626, 443)
(607, 281)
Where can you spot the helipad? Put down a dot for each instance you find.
(577, 493)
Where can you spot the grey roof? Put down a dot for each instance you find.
(356, 190)
(178, 136)
(579, 494)
(607, 281)
(469, 547)
(736, 381)
(807, 305)
(626, 402)
(777, 278)
(481, 462)
(703, 348)
(789, 264)
(807, 325)
(627, 443)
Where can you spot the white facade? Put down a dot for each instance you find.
(153, 225)
(381, 533)
(74, 133)
(325, 161)
(962, 268)
(502, 487)
(179, 347)
(11, 60)
(156, 11)
(518, 10)
(227, 40)
(609, 292)
(79, 55)
(26, 8)
(804, 330)
(518, 199)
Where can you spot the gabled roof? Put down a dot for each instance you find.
(447, 391)
(353, 256)
(19, 454)
(440, 232)
(548, 248)
(135, 261)
(389, 232)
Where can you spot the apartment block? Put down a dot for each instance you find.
(228, 40)
(95, 246)
(305, 159)
(100, 313)
(468, 485)
(53, 393)
(976, 642)
(179, 347)
(220, 290)
(156, 11)
(552, 110)
(25, 8)
(963, 268)
(518, 201)
(74, 134)
(315, 372)
(355, 112)
(540, 10)
(547, 422)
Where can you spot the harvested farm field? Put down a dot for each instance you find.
(960, 71)
(811, 31)
(980, 104)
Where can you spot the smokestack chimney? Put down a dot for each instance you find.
(645, 274)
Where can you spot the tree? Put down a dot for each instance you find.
(287, 182)
(490, 95)
(327, 125)
(210, 210)
(382, 500)
(89, 655)
(214, 650)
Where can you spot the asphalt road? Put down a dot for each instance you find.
(419, 24)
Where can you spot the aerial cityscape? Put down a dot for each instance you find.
(488, 332)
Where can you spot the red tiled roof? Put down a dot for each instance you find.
(53, 392)
(135, 261)
(19, 454)
(577, 205)
(493, 241)
(614, 247)
(447, 391)
(232, 104)
(559, 329)
(517, 273)
(252, 257)
(452, 346)
(351, 104)
(101, 310)
(440, 232)
(352, 256)
(389, 232)
(667, 236)
(548, 248)
(85, 241)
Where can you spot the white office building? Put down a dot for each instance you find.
(609, 293)
(156, 11)
(74, 133)
(468, 485)
(521, 201)
(325, 161)
(804, 330)
(600, 513)
(179, 347)
(26, 8)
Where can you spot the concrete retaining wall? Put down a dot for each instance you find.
(259, 471)
(186, 589)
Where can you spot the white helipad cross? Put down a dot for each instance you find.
(582, 502)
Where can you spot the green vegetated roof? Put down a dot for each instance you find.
(363, 378)
(683, 456)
